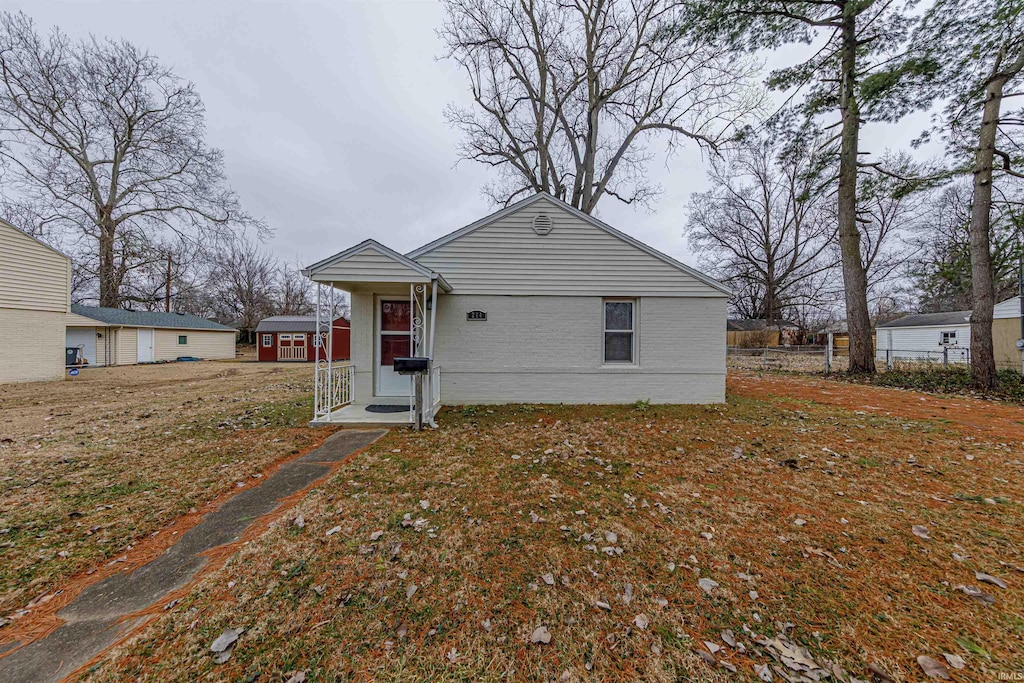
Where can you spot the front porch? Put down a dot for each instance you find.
(393, 315)
(337, 403)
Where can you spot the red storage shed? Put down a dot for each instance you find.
(293, 338)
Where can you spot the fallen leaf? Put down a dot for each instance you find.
(548, 579)
(486, 625)
(988, 578)
(333, 530)
(452, 655)
(880, 673)
(603, 605)
(955, 661)
(541, 636)
(763, 672)
(297, 677)
(707, 585)
(225, 644)
(729, 638)
(933, 668)
(978, 594)
(799, 522)
(226, 639)
(642, 621)
(375, 535)
(713, 648)
(706, 656)
(410, 590)
(299, 521)
(920, 531)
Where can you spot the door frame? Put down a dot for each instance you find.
(379, 299)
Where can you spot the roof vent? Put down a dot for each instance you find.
(542, 224)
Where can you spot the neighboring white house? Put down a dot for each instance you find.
(112, 336)
(35, 296)
(947, 336)
(537, 303)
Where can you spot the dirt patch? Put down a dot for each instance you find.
(973, 415)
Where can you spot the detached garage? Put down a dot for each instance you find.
(111, 336)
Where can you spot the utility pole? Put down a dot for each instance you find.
(167, 286)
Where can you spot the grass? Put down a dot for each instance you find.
(507, 519)
(91, 468)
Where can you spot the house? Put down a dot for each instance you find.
(946, 337)
(35, 298)
(536, 303)
(293, 338)
(757, 333)
(113, 336)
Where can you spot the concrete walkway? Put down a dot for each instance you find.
(100, 616)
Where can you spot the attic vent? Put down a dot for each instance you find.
(542, 224)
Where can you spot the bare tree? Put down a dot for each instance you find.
(111, 143)
(766, 227)
(889, 205)
(294, 293)
(241, 286)
(569, 94)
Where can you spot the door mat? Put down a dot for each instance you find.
(379, 408)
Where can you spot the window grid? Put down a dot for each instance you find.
(619, 324)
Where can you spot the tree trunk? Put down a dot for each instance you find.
(108, 281)
(855, 281)
(983, 362)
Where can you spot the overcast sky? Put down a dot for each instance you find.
(330, 115)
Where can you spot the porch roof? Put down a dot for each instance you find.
(372, 262)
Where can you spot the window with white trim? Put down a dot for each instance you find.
(948, 338)
(619, 331)
(299, 338)
(267, 340)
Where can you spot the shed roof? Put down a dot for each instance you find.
(122, 318)
(293, 323)
(930, 319)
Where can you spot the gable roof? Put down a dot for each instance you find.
(123, 318)
(14, 227)
(368, 244)
(930, 319)
(292, 323)
(523, 203)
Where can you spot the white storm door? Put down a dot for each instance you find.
(145, 350)
(393, 341)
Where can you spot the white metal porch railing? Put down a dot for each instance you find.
(335, 387)
(291, 352)
(433, 395)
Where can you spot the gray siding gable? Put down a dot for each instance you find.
(501, 254)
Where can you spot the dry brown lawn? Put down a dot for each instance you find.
(650, 543)
(91, 466)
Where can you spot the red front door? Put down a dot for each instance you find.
(394, 340)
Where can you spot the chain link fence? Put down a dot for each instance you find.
(817, 359)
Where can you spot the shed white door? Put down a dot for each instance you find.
(145, 351)
(393, 340)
